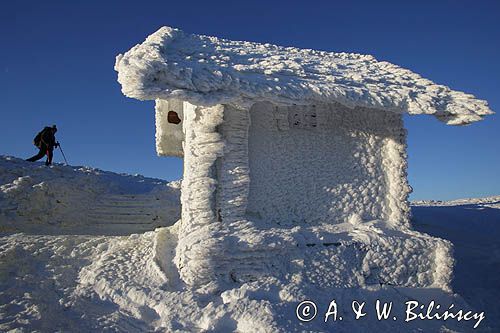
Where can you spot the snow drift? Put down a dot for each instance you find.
(65, 199)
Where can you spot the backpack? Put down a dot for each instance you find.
(38, 138)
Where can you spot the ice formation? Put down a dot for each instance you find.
(204, 70)
(293, 160)
(259, 199)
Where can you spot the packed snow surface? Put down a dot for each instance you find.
(55, 276)
(65, 199)
(204, 70)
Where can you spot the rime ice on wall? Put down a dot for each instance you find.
(221, 240)
(341, 160)
(232, 168)
(203, 145)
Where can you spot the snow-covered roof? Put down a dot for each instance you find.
(207, 70)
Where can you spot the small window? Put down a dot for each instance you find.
(173, 117)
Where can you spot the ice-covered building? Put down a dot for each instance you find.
(293, 159)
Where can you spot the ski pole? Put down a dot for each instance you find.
(62, 153)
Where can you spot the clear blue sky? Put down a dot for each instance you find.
(57, 60)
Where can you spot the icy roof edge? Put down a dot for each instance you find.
(206, 70)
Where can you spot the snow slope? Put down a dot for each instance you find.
(55, 277)
(79, 200)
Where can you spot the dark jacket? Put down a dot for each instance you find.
(47, 138)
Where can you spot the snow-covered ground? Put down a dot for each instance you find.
(86, 250)
(82, 200)
(473, 226)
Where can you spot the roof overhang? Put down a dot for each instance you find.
(203, 70)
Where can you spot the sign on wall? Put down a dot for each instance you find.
(303, 118)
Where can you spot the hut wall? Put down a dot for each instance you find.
(317, 164)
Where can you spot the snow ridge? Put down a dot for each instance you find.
(206, 71)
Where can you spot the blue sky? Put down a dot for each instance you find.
(57, 60)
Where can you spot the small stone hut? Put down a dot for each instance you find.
(293, 158)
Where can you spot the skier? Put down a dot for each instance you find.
(45, 140)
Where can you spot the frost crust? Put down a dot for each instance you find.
(204, 70)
